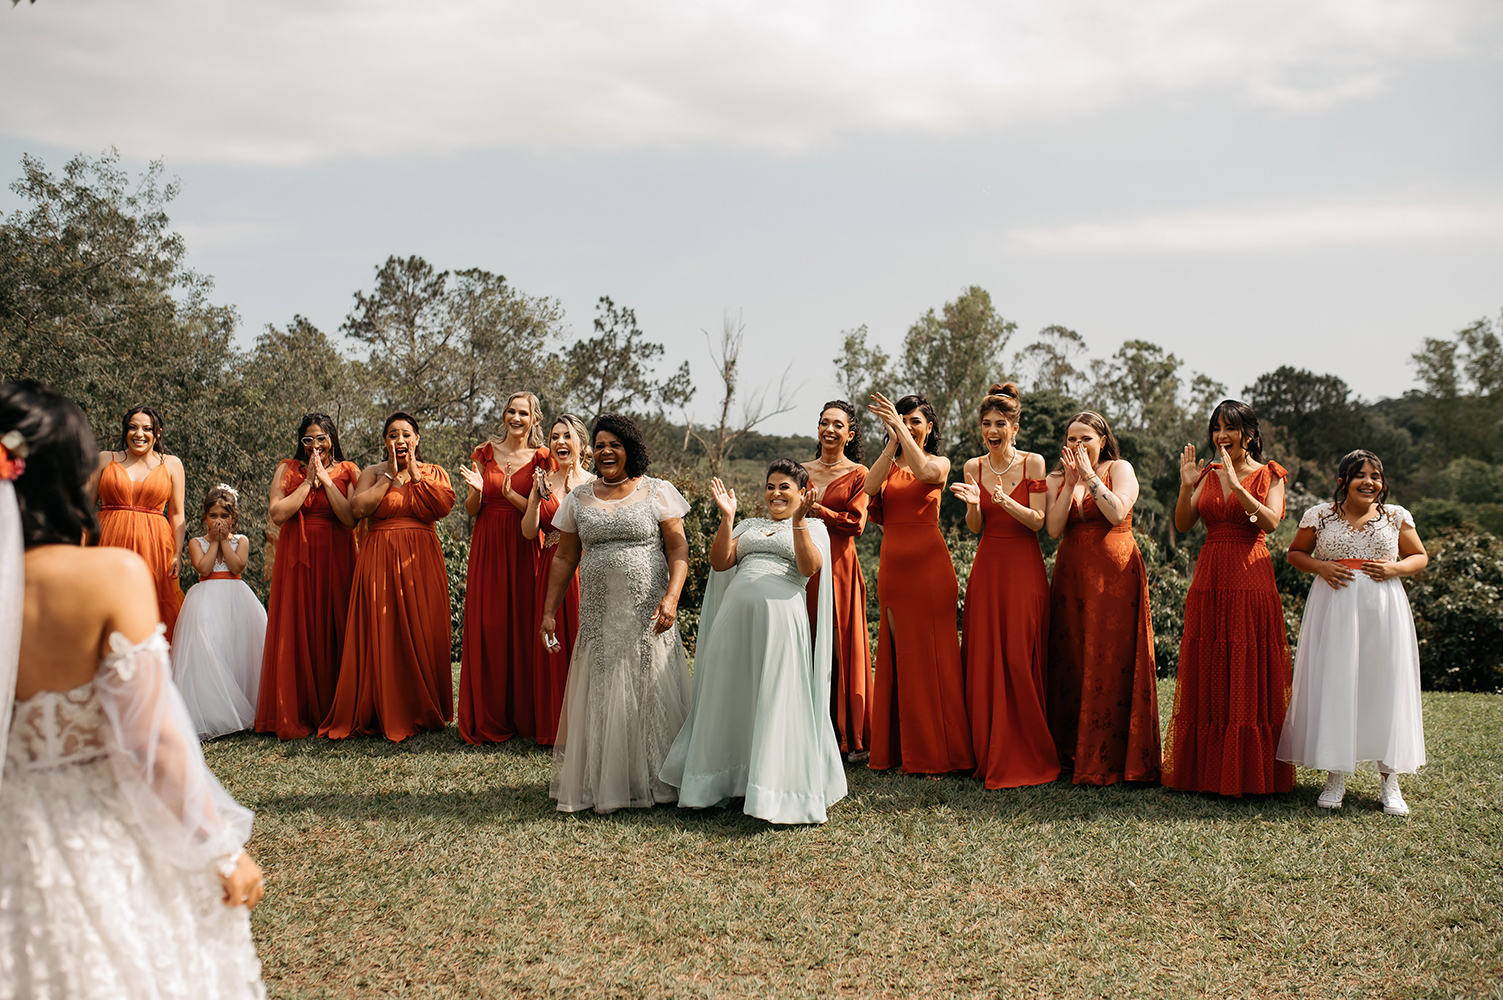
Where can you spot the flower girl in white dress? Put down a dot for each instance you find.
(1356, 675)
(122, 865)
(221, 629)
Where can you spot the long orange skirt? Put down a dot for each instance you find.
(137, 523)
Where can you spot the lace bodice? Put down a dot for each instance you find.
(1335, 538)
(220, 566)
(53, 728)
(766, 546)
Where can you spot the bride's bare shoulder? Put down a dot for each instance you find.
(86, 571)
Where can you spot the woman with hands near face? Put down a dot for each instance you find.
(1005, 627)
(310, 581)
(760, 722)
(1233, 678)
(1102, 693)
(918, 701)
(1355, 698)
(498, 695)
(395, 678)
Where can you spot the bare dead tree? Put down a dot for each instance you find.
(720, 440)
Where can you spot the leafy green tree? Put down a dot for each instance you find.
(952, 358)
(860, 370)
(1051, 360)
(613, 371)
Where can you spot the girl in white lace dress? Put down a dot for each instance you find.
(628, 688)
(122, 865)
(1356, 674)
(221, 629)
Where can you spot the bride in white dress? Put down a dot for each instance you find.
(628, 687)
(1356, 691)
(123, 872)
(760, 724)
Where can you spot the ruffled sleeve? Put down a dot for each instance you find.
(667, 501)
(1314, 515)
(345, 476)
(433, 497)
(563, 518)
(191, 821)
(1037, 485)
(1277, 471)
(1401, 516)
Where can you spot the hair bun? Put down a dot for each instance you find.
(1004, 389)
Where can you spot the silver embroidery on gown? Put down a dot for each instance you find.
(628, 688)
(110, 828)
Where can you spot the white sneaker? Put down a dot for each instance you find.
(1393, 802)
(1335, 790)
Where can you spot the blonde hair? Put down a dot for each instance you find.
(535, 432)
(581, 435)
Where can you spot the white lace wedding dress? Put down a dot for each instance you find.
(111, 831)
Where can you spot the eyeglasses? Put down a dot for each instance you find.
(321, 439)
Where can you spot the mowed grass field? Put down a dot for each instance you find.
(433, 869)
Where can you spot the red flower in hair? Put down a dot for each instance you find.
(12, 455)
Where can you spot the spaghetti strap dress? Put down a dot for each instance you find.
(308, 608)
(843, 510)
(496, 700)
(1102, 693)
(918, 706)
(1234, 674)
(1004, 645)
(133, 516)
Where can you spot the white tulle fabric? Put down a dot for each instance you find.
(760, 722)
(216, 653)
(1356, 695)
(628, 688)
(111, 828)
(12, 604)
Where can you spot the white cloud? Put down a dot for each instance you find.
(1273, 230)
(283, 81)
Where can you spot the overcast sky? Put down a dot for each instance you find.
(1249, 185)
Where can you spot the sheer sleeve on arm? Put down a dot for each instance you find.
(563, 518)
(668, 501)
(190, 820)
(432, 498)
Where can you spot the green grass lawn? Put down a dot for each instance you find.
(433, 869)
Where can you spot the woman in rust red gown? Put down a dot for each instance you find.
(1234, 674)
(310, 582)
(918, 701)
(395, 678)
(1004, 639)
(500, 606)
(569, 457)
(135, 484)
(1102, 694)
(839, 481)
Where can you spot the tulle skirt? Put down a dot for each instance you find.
(90, 912)
(216, 655)
(1356, 681)
(760, 725)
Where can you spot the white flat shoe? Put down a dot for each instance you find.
(1393, 801)
(1334, 792)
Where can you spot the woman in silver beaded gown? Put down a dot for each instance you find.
(628, 689)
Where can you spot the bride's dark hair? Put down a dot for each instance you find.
(53, 492)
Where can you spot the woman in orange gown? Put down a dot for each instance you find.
(1102, 694)
(918, 703)
(1004, 639)
(568, 456)
(395, 678)
(310, 582)
(135, 484)
(839, 481)
(500, 600)
(1234, 674)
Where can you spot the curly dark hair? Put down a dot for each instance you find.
(855, 449)
(1239, 417)
(53, 492)
(1350, 467)
(638, 458)
(157, 428)
(934, 444)
(326, 422)
(791, 469)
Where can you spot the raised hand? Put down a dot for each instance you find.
(472, 477)
(1189, 469)
(724, 499)
(393, 468)
(1070, 466)
(885, 411)
(967, 491)
(414, 473)
(540, 484)
(506, 487)
(316, 470)
(1226, 474)
(806, 502)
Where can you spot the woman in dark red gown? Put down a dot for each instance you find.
(1234, 674)
(918, 705)
(310, 582)
(496, 699)
(839, 479)
(1102, 694)
(566, 459)
(1005, 634)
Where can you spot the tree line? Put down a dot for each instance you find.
(98, 300)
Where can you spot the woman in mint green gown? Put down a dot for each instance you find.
(759, 726)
